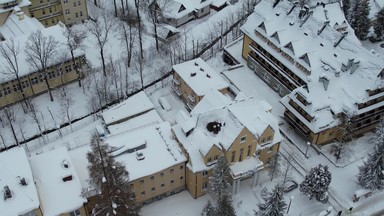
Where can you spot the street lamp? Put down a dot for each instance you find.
(289, 205)
(306, 151)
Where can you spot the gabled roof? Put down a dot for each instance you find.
(14, 166)
(221, 126)
(317, 46)
(179, 8)
(58, 184)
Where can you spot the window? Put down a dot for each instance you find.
(153, 189)
(243, 139)
(77, 15)
(162, 186)
(50, 10)
(1, 94)
(205, 173)
(75, 213)
(270, 149)
(204, 186)
(142, 181)
(67, 11)
(216, 156)
(74, 4)
(172, 170)
(81, 13)
(209, 160)
(241, 154)
(16, 88)
(78, 2)
(152, 178)
(172, 182)
(233, 156)
(6, 91)
(68, 68)
(142, 193)
(181, 167)
(181, 178)
(43, 11)
(162, 174)
(65, 1)
(51, 75)
(34, 80)
(258, 153)
(249, 151)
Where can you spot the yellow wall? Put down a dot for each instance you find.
(38, 88)
(195, 182)
(246, 49)
(212, 155)
(77, 12)
(82, 212)
(163, 177)
(238, 146)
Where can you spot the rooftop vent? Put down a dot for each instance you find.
(209, 76)
(348, 65)
(201, 69)
(277, 14)
(193, 74)
(67, 178)
(214, 127)
(321, 44)
(140, 155)
(305, 33)
(22, 181)
(65, 164)
(325, 80)
(354, 66)
(340, 39)
(196, 64)
(7, 193)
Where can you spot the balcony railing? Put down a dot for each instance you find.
(176, 81)
(177, 90)
(191, 98)
(302, 129)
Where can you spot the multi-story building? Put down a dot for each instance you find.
(57, 183)
(155, 163)
(310, 55)
(244, 132)
(6, 8)
(192, 79)
(17, 184)
(17, 29)
(50, 12)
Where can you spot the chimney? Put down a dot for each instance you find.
(323, 27)
(193, 74)
(19, 13)
(354, 66)
(340, 39)
(7, 192)
(67, 178)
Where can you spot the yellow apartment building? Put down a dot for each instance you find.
(50, 12)
(192, 79)
(6, 8)
(244, 132)
(325, 87)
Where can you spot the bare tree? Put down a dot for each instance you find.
(66, 102)
(41, 53)
(154, 10)
(101, 29)
(74, 39)
(34, 114)
(139, 67)
(10, 115)
(10, 51)
(127, 38)
(139, 27)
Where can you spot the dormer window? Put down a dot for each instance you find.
(243, 139)
(182, 8)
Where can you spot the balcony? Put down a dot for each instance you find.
(301, 128)
(190, 106)
(176, 81)
(40, 6)
(191, 98)
(177, 90)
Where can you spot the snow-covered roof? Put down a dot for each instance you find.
(327, 54)
(22, 3)
(146, 119)
(160, 150)
(231, 120)
(134, 105)
(199, 76)
(213, 99)
(246, 167)
(58, 184)
(57, 32)
(172, 7)
(14, 166)
(14, 26)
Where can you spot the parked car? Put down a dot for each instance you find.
(164, 104)
(290, 185)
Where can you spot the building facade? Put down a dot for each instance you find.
(50, 12)
(192, 79)
(310, 69)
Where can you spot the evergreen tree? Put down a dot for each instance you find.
(225, 206)
(346, 5)
(274, 204)
(371, 174)
(111, 179)
(361, 24)
(315, 184)
(220, 180)
(379, 25)
(351, 13)
(209, 210)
